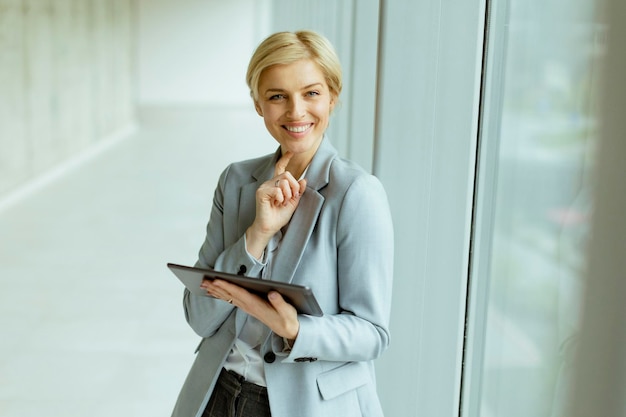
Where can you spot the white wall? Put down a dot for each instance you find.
(426, 143)
(65, 82)
(195, 52)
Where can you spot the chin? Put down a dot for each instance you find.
(299, 149)
(302, 145)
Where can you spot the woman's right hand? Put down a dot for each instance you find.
(276, 201)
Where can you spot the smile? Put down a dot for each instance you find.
(298, 129)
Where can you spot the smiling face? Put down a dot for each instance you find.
(295, 103)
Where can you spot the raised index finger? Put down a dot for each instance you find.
(281, 165)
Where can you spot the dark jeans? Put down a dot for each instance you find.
(234, 397)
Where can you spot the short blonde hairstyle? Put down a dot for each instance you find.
(288, 47)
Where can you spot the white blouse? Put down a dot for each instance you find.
(245, 356)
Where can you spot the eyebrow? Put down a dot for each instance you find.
(280, 90)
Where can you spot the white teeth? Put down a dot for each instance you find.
(297, 129)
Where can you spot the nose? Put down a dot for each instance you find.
(296, 108)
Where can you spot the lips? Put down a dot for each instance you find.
(298, 129)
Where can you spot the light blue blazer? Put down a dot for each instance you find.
(339, 242)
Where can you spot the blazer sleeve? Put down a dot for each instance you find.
(205, 315)
(365, 248)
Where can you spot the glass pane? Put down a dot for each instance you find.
(537, 151)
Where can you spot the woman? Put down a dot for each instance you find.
(302, 215)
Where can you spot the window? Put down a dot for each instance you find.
(532, 206)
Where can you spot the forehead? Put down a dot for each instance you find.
(293, 76)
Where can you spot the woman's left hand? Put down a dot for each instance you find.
(277, 314)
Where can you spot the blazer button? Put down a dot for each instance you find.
(270, 357)
(242, 270)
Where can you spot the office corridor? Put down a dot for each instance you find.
(91, 319)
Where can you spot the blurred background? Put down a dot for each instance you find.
(482, 118)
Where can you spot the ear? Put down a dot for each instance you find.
(333, 101)
(258, 108)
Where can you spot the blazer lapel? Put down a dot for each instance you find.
(247, 195)
(247, 200)
(305, 217)
(299, 231)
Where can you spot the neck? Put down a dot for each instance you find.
(300, 161)
(297, 167)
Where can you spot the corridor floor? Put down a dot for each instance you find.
(91, 320)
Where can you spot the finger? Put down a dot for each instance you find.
(276, 192)
(240, 296)
(288, 315)
(294, 192)
(281, 165)
(302, 189)
(286, 189)
(215, 291)
(278, 302)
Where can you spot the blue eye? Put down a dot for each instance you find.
(312, 93)
(277, 97)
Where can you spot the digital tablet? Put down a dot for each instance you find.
(301, 297)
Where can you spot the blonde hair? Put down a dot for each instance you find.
(288, 47)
